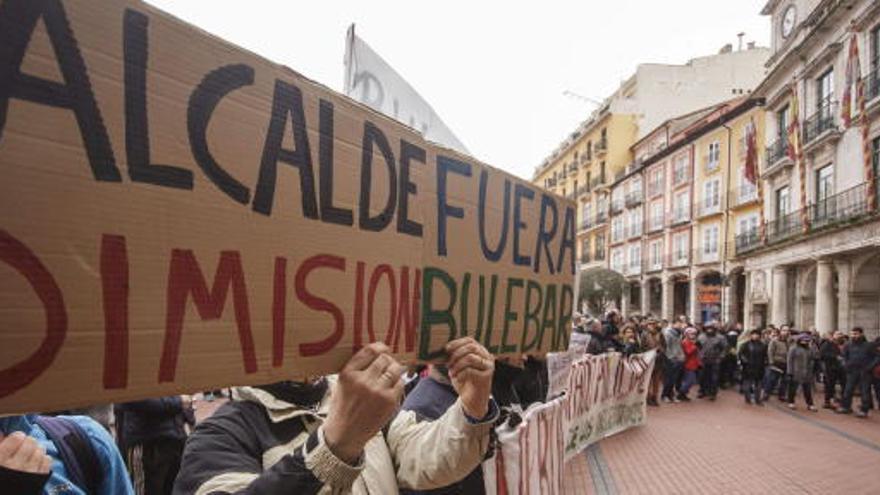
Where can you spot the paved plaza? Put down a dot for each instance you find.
(729, 447)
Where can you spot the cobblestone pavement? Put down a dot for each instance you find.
(729, 447)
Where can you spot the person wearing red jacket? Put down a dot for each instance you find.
(691, 363)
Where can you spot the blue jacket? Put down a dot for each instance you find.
(115, 483)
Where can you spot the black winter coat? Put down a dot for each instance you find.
(753, 358)
(152, 419)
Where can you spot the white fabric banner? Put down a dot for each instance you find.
(605, 395)
(371, 81)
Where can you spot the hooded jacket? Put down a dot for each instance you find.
(800, 363)
(261, 444)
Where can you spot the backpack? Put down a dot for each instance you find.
(76, 451)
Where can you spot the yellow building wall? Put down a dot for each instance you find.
(739, 125)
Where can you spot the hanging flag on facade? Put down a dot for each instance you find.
(795, 151)
(853, 78)
(371, 81)
(751, 166)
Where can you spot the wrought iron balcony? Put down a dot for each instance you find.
(709, 206)
(743, 195)
(633, 199)
(872, 84)
(784, 227)
(655, 224)
(841, 207)
(678, 259)
(747, 241)
(776, 151)
(601, 146)
(820, 122)
(616, 206)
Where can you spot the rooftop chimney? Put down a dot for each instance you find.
(739, 46)
(750, 45)
(726, 48)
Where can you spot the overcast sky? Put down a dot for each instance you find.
(494, 71)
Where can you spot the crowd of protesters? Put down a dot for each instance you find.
(375, 427)
(378, 427)
(760, 364)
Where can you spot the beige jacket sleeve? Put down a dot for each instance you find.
(433, 454)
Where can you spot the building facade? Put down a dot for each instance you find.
(815, 260)
(690, 172)
(584, 165)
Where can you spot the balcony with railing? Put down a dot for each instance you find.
(655, 224)
(601, 217)
(703, 256)
(598, 181)
(743, 195)
(776, 155)
(601, 147)
(583, 189)
(652, 264)
(600, 253)
(679, 216)
(634, 198)
(784, 227)
(616, 206)
(708, 206)
(679, 176)
(872, 84)
(747, 241)
(820, 125)
(677, 259)
(842, 207)
(634, 230)
(847, 206)
(586, 224)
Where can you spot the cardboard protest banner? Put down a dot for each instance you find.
(178, 214)
(605, 395)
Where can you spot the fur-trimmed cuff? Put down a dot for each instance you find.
(328, 468)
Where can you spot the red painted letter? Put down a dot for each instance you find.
(114, 282)
(319, 304)
(19, 257)
(184, 278)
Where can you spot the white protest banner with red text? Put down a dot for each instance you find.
(605, 395)
(179, 214)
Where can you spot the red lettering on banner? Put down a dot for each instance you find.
(15, 254)
(359, 307)
(408, 315)
(371, 297)
(319, 303)
(279, 311)
(114, 285)
(185, 278)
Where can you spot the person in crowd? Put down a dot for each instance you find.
(48, 455)
(777, 357)
(875, 371)
(652, 339)
(833, 375)
(752, 356)
(674, 361)
(727, 375)
(344, 434)
(713, 348)
(429, 401)
(800, 369)
(630, 340)
(691, 363)
(601, 342)
(858, 355)
(611, 324)
(152, 433)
